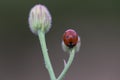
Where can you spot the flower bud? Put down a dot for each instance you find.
(39, 19)
(71, 40)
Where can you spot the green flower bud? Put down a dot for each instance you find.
(39, 19)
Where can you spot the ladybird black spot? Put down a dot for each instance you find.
(71, 45)
(67, 36)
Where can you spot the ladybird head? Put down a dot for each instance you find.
(70, 38)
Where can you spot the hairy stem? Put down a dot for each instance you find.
(48, 64)
(67, 66)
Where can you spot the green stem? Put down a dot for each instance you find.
(48, 65)
(71, 57)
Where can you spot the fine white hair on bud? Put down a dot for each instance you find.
(39, 19)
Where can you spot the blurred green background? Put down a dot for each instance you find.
(96, 21)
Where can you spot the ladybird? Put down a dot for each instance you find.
(70, 38)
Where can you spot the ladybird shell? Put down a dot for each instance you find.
(70, 38)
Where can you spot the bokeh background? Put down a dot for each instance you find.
(96, 21)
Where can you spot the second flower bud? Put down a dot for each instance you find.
(39, 19)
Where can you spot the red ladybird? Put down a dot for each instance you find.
(70, 38)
